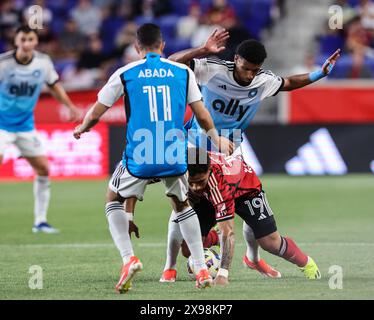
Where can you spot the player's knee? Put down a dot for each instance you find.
(42, 170)
(112, 196)
(185, 251)
(178, 205)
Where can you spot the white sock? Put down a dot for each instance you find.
(175, 239)
(42, 193)
(253, 251)
(190, 229)
(119, 229)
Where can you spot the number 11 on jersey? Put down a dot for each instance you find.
(152, 92)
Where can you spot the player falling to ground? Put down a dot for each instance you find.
(23, 73)
(232, 92)
(156, 92)
(228, 185)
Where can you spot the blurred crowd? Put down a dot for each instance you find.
(356, 39)
(89, 39)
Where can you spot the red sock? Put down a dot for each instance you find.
(292, 253)
(211, 239)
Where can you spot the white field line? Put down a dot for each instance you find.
(160, 245)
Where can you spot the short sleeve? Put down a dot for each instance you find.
(112, 90)
(273, 84)
(193, 93)
(51, 73)
(222, 199)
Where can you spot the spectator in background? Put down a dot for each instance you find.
(10, 18)
(366, 11)
(358, 39)
(153, 8)
(87, 72)
(87, 17)
(47, 41)
(92, 56)
(188, 25)
(125, 37)
(111, 24)
(220, 13)
(309, 65)
(71, 40)
(358, 45)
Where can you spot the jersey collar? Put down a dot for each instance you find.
(20, 62)
(152, 55)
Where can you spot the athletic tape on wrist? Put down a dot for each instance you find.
(316, 75)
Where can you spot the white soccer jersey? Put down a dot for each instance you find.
(231, 105)
(20, 86)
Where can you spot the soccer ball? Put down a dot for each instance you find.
(212, 261)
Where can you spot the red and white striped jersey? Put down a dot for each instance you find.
(230, 179)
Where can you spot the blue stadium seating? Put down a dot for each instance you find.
(329, 43)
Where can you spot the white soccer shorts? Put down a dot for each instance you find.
(126, 185)
(28, 143)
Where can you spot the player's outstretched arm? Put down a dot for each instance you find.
(302, 80)
(91, 118)
(60, 94)
(227, 239)
(214, 44)
(205, 120)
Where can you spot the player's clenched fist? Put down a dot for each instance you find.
(78, 132)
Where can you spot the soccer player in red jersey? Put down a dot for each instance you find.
(228, 185)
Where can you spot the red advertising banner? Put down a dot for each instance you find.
(69, 158)
(332, 104)
(49, 110)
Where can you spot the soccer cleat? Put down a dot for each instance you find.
(169, 275)
(311, 270)
(262, 267)
(203, 279)
(128, 272)
(44, 227)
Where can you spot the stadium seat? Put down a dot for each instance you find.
(61, 64)
(329, 43)
(174, 45)
(180, 8)
(168, 24)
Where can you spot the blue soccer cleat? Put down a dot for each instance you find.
(44, 227)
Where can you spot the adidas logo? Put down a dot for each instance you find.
(262, 217)
(222, 86)
(317, 157)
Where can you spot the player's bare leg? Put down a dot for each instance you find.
(251, 258)
(119, 221)
(287, 249)
(190, 229)
(42, 194)
(1, 159)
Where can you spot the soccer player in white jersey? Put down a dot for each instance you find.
(232, 92)
(23, 72)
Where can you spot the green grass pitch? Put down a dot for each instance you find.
(331, 218)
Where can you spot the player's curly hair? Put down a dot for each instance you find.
(252, 50)
(198, 161)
